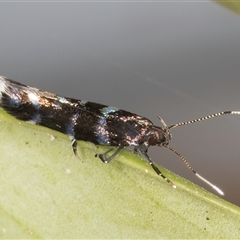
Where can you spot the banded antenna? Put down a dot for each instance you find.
(197, 174)
(203, 118)
(182, 157)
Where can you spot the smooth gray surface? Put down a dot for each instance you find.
(176, 60)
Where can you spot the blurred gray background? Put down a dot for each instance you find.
(177, 60)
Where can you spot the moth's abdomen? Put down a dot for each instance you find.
(34, 106)
(16, 101)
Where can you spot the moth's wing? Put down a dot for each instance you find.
(127, 129)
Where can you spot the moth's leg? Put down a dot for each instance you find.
(103, 156)
(142, 149)
(74, 145)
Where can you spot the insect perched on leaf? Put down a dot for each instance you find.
(92, 122)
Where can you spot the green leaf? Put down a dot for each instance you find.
(46, 192)
(232, 5)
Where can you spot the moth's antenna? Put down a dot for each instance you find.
(168, 135)
(198, 175)
(163, 123)
(204, 118)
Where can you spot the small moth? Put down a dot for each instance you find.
(93, 122)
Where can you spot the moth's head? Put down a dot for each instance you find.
(159, 136)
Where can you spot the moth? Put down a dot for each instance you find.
(93, 122)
